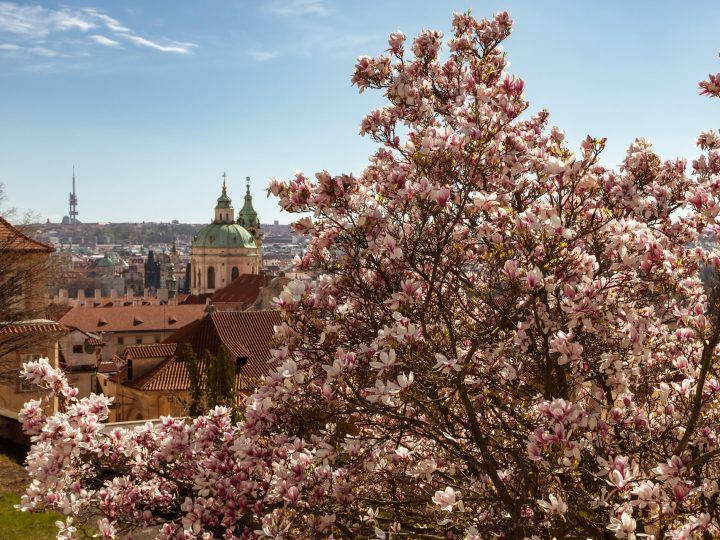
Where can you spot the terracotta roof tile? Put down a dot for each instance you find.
(108, 367)
(55, 312)
(154, 350)
(242, 291)
(12, 238)
(196, 298)
(94, 341)
(246, 334)
(170, 375)
(132, 318)
(40, 326)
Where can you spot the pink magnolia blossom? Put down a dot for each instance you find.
(490, 313)
(446, 499)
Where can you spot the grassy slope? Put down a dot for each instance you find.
(14, 524)
(24, 525)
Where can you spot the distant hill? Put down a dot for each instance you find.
(145, 233)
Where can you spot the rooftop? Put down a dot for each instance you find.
(37, 326)
(132, 318)
(11, 238)
(246, 334)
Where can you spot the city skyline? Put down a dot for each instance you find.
(153, 102)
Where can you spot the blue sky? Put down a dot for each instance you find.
(153, 100)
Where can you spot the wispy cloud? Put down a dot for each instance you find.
(102, 40)
(38, 22)
(263, 56)
(111, 24)
(171, 46)
(298, 8)
(40, 31)
(12, 49)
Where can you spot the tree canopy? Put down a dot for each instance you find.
(504, 339)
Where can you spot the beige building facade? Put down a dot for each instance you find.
(226, 249)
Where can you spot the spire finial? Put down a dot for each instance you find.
(224, 185)
(247, 179)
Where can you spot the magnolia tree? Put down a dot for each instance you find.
(505, 339)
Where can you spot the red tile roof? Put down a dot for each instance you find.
(56, 311)
(169, 376)
(242, 291)
(94, 341)
(246, 334)
(154, 350)
(40, 326)
(13, 238)
(131, 318)
(108, 367)
(195, 298)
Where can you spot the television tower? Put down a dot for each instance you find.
(73, 203)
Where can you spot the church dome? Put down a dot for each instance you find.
(223, 236)
(105, 262)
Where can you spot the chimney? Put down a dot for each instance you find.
(130, 294)
(98, 295)
(63, 296)
(113, 296)
(162, 294)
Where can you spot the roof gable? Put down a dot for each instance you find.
(11, 238)
(246, 334)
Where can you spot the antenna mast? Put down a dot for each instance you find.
(73, 202)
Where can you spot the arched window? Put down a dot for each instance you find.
(211, 278)
(234, 273)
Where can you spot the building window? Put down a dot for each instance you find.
(234, 273)
(157, 339)
(121, 340)
(211, 278)
(138, 340)
(77, 349)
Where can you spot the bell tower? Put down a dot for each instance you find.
(224, 211)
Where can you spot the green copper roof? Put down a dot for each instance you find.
(223, 200)
(248, 216)
(223, 235)
(105, 262)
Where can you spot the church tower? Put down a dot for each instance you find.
(248, 217)
(223, 250)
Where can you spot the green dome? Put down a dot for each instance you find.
(105, 262)
(223, 235)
